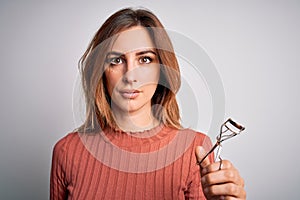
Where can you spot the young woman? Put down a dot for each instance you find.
(132, 145)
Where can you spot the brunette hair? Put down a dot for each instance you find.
(91, 65)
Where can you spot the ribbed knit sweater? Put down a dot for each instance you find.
(156, 164)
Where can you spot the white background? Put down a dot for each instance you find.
(255, 46)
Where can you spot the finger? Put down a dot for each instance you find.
(228, 189)
(217, 198)
(233, 198)
(221, 177)
(216, 167)
(229, 198)
(200, 154)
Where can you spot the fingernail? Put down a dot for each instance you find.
(206, 190)
(204, 171)
(203, 180)
(222, 197)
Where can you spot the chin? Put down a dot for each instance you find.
(131, 108)
(123, 106)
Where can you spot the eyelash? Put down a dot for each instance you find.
(113, 61)
(145, 57)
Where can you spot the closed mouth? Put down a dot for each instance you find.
(129, 94)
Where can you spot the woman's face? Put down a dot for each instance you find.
(132, 71)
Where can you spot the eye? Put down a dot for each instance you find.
(145, 60)
(115, 61)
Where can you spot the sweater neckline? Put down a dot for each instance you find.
(123, 139)
(140, 134)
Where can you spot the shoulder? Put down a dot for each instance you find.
(198, 135)
(66, 142)
(200, 139)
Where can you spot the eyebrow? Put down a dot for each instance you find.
(115, 53)
(145, 52)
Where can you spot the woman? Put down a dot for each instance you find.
(132, 145)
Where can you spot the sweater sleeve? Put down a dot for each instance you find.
(58, 185)
(194, 180)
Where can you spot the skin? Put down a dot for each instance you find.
(132, 66)
(132, 73)
(220, 184)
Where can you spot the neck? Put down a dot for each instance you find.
(135, 121)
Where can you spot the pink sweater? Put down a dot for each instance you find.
(155, 164)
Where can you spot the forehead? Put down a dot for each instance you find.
(132, 39)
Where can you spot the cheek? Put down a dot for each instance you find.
(150, 75)
(156, 74)
(112, 78)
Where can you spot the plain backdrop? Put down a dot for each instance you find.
(254, 45)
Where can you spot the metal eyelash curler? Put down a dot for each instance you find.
(228, 130)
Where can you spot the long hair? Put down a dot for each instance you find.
(91, 65)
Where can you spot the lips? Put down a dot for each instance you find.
(129, 94)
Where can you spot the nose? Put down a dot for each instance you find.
(130, 74)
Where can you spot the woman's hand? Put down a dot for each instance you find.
(224, 183)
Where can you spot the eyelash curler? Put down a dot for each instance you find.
(228, 130)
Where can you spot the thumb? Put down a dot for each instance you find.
(200, 154)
